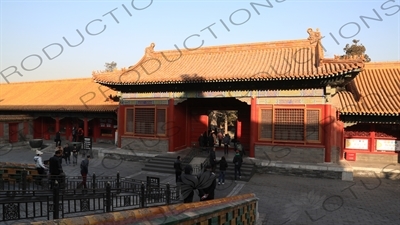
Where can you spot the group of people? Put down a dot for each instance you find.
(214, 138)
(206, 182)
(77, 136)
(223, 165)
(54, 164)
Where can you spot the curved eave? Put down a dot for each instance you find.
(369, 114)
(316, 77)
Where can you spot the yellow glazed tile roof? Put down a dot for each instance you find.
(57, 95)
(282, 60)
(375, 91)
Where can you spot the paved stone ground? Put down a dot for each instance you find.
(282, 199)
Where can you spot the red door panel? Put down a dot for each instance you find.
(13, 132)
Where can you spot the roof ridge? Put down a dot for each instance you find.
(236, 47)
(47, 81)
(382, 64)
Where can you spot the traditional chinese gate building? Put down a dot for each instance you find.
(370, 109)
(40, 109)
(281, 90)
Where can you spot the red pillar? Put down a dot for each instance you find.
(170, 124)
(85, 127)
(372, 139)
(330, 120)
(120, 124)
(253, 126)
(57, 124)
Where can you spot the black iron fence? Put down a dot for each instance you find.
(54, 200)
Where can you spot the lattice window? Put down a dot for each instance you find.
(129, 121)
(266, 124)
(312, 126)
(289, 124)
(144, 120)
(161, 122)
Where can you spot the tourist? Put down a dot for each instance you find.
(178, 169)
(84, 170)
(223, 164)
(220, 136)
(209, 181)
(58, 139)
(73, 134)
(40, 167)
(213, 159)
(75, 153)
(67, 154)
(237, 161)
(189, 183)
(55, 168)
(226, 141)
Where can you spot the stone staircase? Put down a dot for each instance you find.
(165, 164)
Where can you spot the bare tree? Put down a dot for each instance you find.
(356, 49)
(110, 66)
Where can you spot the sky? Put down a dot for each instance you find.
(41, 40)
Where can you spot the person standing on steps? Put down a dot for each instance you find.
(178, 169)
(226, 141)
(237, 161)
(223, 164)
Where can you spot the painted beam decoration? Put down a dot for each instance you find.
(264, 97)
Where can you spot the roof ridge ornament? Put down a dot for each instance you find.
(314, 36)
(150, 50)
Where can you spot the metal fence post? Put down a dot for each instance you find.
(118, 180)
(108, 197)
(142, 195)
(56, 199)
(23, 179)
(94, 181)
(168, 194)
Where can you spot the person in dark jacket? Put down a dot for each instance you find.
(84, 170)
(189, 182)
(226, 140)
(237, 160)
(55, 168)
(213, 160)
(208, 192)
(58, 139)
(205, 139)
(67, 154)
(178, 169)
(223, 164)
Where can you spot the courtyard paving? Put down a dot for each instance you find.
(282, 199)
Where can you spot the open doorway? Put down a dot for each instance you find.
(224, 121)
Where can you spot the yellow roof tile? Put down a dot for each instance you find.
(57, 95)
(282, 60)
(378, 86)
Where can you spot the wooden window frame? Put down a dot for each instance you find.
(125, 120)
(305, 109)
(155, 108)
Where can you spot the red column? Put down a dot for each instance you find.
(1, 129)
(57, 124)
(170, 124)
(85, 127)
(372, 139)
(253, 126)
(328, 123)
(120, 124)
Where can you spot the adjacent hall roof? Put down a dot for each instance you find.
(374, 92)
(282, 60)
(57, 95)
